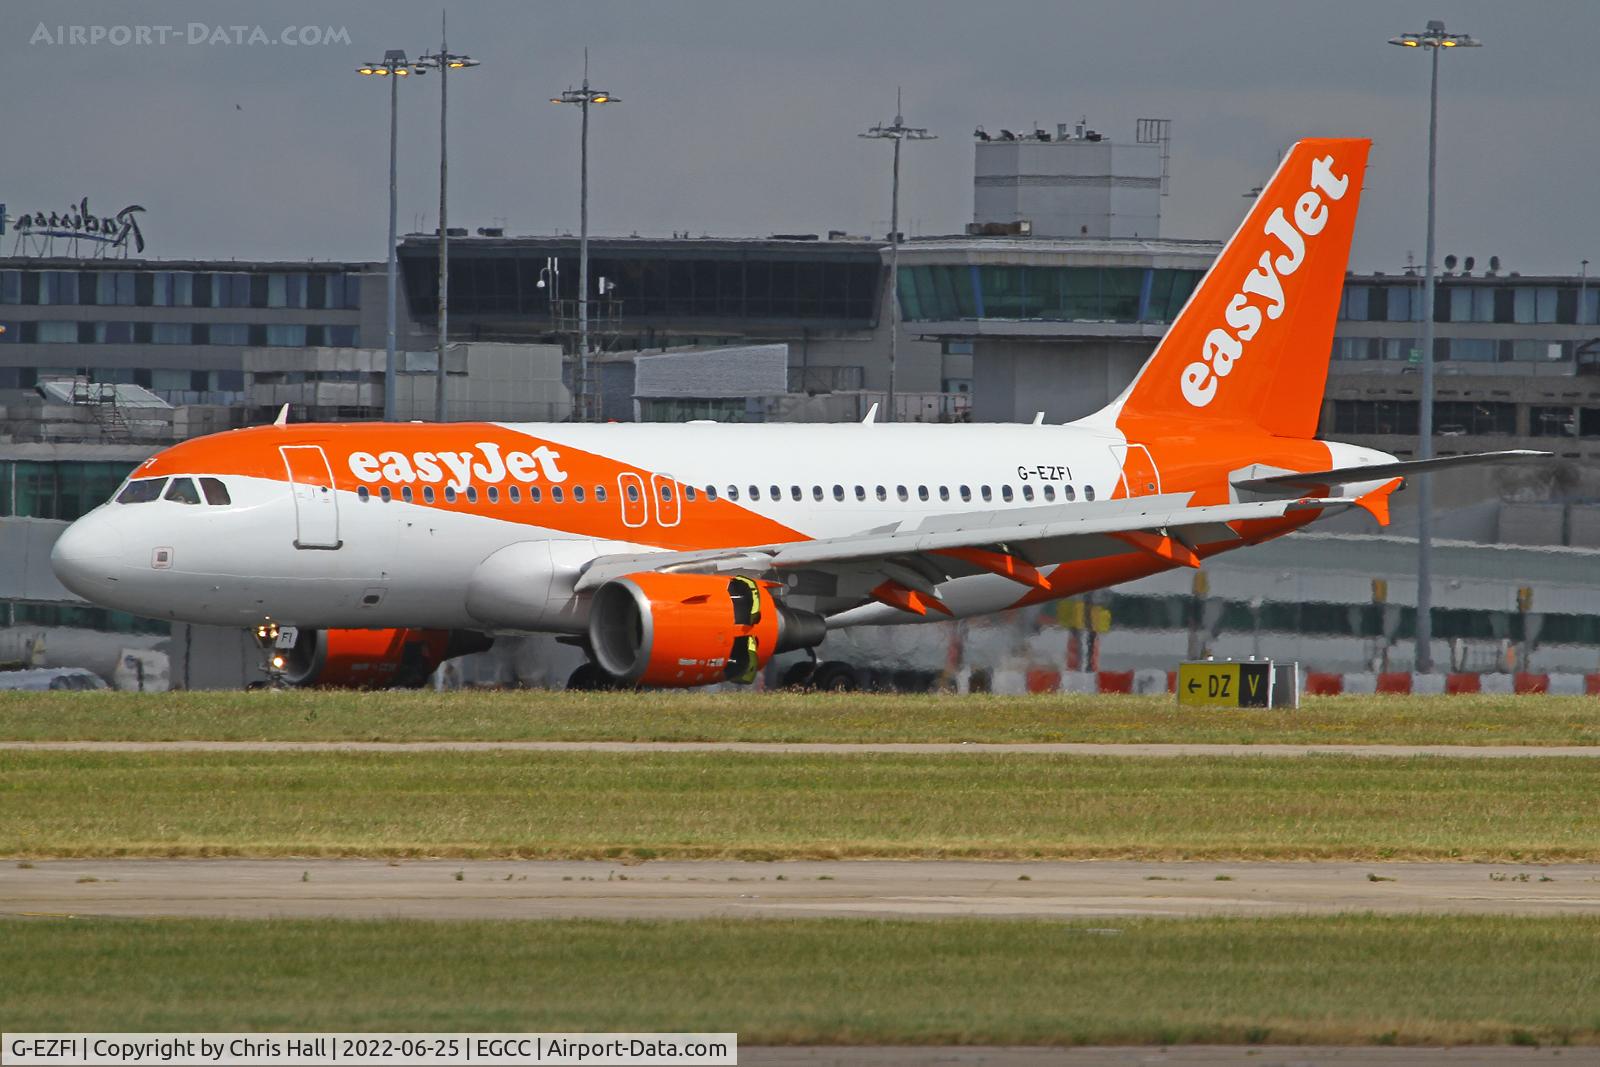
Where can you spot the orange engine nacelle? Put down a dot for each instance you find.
(374, 659)
(693, 629)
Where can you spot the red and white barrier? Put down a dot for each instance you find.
(1315, 683)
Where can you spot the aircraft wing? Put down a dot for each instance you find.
(1380, 471)
(919, 555)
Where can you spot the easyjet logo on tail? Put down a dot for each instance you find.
(458, 468)
(1223, 347)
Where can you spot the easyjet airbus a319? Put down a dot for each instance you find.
(680, 555)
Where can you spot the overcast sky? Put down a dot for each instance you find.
(739, 116)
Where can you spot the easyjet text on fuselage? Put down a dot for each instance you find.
(457, 470)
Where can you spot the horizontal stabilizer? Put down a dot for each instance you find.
(1374, 472)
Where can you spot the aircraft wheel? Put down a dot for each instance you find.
(799, 675)
(835, 677)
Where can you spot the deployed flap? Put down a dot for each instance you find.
(1373, 472)
(1164, 513)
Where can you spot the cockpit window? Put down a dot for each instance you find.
(183, 491)
(141, 491)
(216, 492)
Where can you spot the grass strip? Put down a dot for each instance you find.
(1328, 980)
(694, 716)
(702, 805)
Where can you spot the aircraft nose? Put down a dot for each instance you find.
(87, 557)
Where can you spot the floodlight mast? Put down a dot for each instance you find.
(444, 61)
(394, 66)
(583, 98)
(897, 132)
(1435, 40)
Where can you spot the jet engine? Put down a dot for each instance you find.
(373, 659)
(693, 629)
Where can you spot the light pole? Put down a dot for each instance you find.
(444, 62)
(394, 66)
(583, 98)
(897, 133)
(1435, 40)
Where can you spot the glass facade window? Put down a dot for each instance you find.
(1055, 294)
(57, 333)
(1550, 421)
(1454, 418)
(228, 333)
(1375, 417)
(1473, 349)
(291, 334)
(1355, 303)
(1404, 303)
(10, 287)
(63, 490)
(171, 333)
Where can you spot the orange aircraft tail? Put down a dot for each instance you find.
(1251, 346)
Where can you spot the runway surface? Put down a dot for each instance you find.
(823, 748)
(538, 889)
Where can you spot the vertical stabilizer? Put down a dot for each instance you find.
(1251, 346)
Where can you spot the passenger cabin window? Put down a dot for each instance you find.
(141, 491)
(427, 494)
(183, 491)
(755, 492)
(514, 494)
(666, 492)
(1088, 492)
(577, 494)
(966, 493)
(711, 492)
(215, 491)
(838, 492)
(1068, 493)
(385, 495)
(883, 494)
(599, 494)
(816, 492)
(534, 494)
(493, 492)
(944, 492)
(1049, 492)
(1027, 492)
(405, 494)
(900, 491)
(794, 492)
(689, 492)
(472, 494)
(633, 493)
(983, 490)
(363, 494)
(449, 494)
(555, 494)
(1005, 493)
(777, 494)
(922, 492)
(733, 492)
(861, 492)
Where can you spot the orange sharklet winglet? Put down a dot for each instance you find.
(1376, 503)
(1161, 545)
(1002, 563)
(899, 596)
